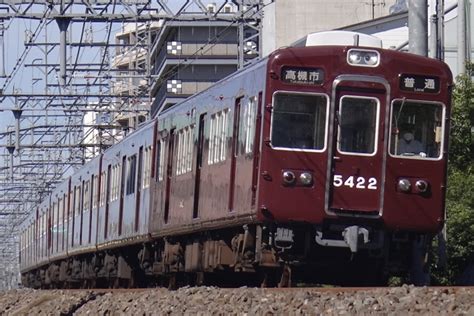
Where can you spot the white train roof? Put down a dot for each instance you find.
(339, 38)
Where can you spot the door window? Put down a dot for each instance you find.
(357, 121)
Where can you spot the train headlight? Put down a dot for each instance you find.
(289, 177)
(404, 185)
(421, 186)
(306, 179)
(363, 57)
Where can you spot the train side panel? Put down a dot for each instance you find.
(210, 120)
(84, 216)
(59, 222)
(126, 171)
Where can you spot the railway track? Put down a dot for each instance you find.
(270, 301)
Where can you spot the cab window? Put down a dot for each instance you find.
(299, 121)
(416, 129)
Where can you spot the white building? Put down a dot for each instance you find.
(286, 21)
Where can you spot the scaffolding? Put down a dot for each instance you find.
(62, 92)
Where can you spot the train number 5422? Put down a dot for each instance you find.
(355, 182)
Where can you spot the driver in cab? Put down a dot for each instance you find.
(409, 146)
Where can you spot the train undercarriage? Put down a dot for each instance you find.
(252, 255)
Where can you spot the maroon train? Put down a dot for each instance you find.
(321, 163)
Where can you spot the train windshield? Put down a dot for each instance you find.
(299, 121)
(416, 129)
(357, 118)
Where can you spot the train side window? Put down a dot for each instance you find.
(182, 139)
(218, 137)
(357, 125)
(112, 183)
(60, 211)
(189, 149)
(102, 188)
(299, 121)
(249, 119)
(95, 189)
(160, 159)
(416, 129)
(131, 174)
(77, 200)
(147, 168)
(86, 196)
(116, 172)
(115, 182)
(185, 150)
(210, 156)
(54, 217)
(71, 205)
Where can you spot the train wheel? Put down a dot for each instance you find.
(199, 280)
(172, 284)
(269, 277)
(420, 272)
(285, 280)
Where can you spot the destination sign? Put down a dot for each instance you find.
(418, 83)
(300, 75)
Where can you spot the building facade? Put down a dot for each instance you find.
(189, 56)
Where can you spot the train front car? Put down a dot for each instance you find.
(353, 161)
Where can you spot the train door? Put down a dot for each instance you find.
(197, 180)
(234, 153)
(139, 188)
(357, 152)
(122, 193)
(169, 175)
(107, 200)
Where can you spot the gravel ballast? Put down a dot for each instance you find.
(405, 300)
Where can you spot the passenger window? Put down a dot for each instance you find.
(218, 137)
(299, 121)
(86, 196)
(131, 174)
(357, 120)
(249, 119)
(416, 129)
(160, 159)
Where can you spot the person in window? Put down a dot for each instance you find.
(408, 145)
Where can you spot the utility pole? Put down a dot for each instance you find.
(462, 46)
(418, 27)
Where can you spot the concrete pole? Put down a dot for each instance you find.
(241, 36)
(440, 13)
(63, 24)
(2, 43)
(418, 27)
(17, 115)
(461, 36)
(433, 52)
